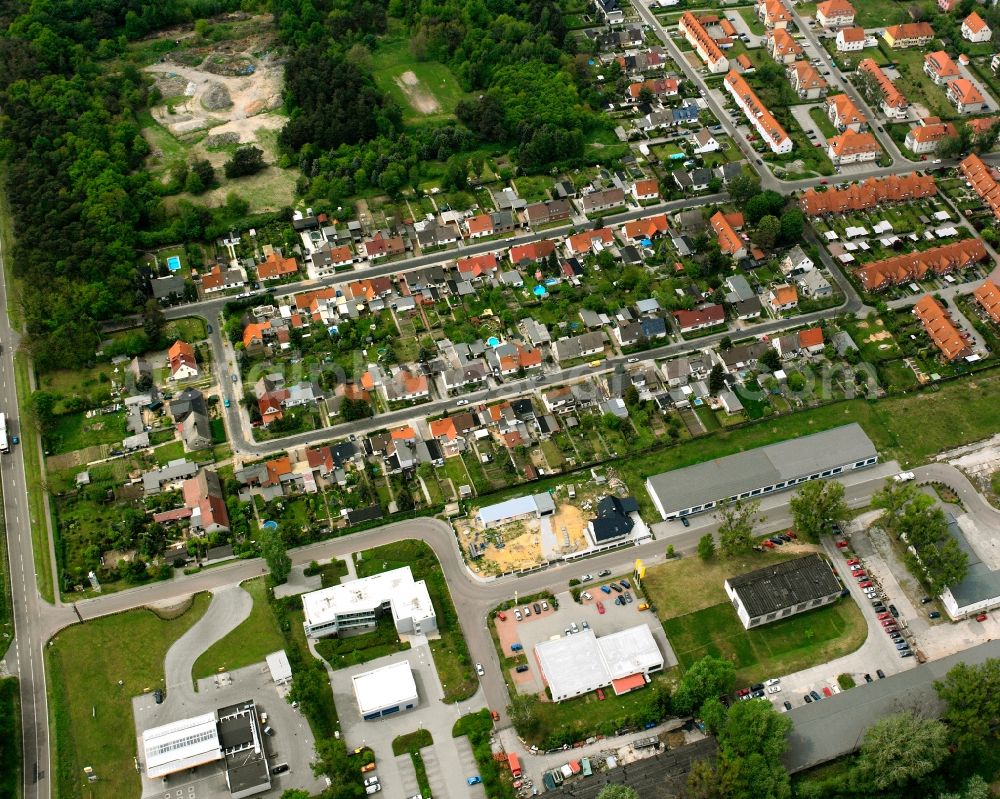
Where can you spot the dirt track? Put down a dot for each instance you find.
(418, 95)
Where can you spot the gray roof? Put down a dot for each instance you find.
(765, 466)
(740, 287)
(783, 585)
(981, 583)
(827, 730)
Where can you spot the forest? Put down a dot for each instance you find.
(528, 88)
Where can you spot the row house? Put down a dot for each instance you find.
(521, 254)
(582, 346)
(868, 194)
(938, 325)
(543, 213)
(431, 234)
(327, 259)
(916, 266)
(893, 104)
(983, 182)
(988, 297)
(758, 115)
(658, 87)
(219, 279)
(703, 43)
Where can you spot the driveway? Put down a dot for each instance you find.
(449, 760)
(807, 123)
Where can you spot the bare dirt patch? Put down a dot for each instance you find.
(880, 336)
(416, 93)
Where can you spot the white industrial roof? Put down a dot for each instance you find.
(572, 665)
(407, 597)
(384, 687)
(181, 745)
(519, 506)
(576, 664)
(278, 665)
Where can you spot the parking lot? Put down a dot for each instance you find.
(449, 761)
(536, 628)
(292, 742)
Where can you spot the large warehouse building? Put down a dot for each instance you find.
(782, 590)
(760, 471)
(385, 691)
(357, 605)
(979, 590)
(578, 664)
(231, 737)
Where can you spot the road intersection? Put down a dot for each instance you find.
(35, 620)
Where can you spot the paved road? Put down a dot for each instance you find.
(25, 657)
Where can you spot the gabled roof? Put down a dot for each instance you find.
(941, 64)
(274, 266)
(835, 8)
(964, 91)
(847, 111)
(785, 294)
(813, 337)
(868, 194)
(983, 182)
(891, 96)
(914, 266)
(782, 43)
(942, 331)
(729, 240)
(477, 265)
(646, 228)
(851, 143)
(851, 34)
(988, 296)
(535, 251)
(910, 30)
(584, 242)
(975, 23)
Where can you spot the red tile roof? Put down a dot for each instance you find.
(988, 296)
(275, 267)
(729, 240)
(868, 194)
(535, 251)
(916, 265)
(937, 322)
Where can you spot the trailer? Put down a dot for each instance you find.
(585, 765)
(646, 743)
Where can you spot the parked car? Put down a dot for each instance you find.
(370, 781)
(808, 699)
(906, 653)
(628, 597)
(522, 668)
(868, 678)
(587, 595)
(776, 541)
(586, 578)
(537, 608)
(816, 697)
(604, 573)
(842, 545)
(774, 689)
(605, 589)
(685, 522)
(880, 673)
(373, 789)
(626, 584)
(480, 670)
(585, 624)
(902, 645)
(615, 587)
(827, 692)
(600, 695)
(787, 705)
(767, 543)
(864, 584)
(600, 607)
(545, 605)
(367, 767)
(981, 617)
(517, 614)
(934, 615)
(893, 611)
(474, 780)
(854, 562)
(502, 616)
(926, 600)
(526, 611)
(772, 681)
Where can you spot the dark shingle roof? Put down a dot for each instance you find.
(782, 585)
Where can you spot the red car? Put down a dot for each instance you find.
(889, 623)
(742, 691)
(502, 616)
(865, 584)
(842, 544)
(768, 544)
(884, 616)
(600, 695)
(981, 617)
(600, 607)
(861, 574)
(854, 562)
(790, 534)
(824, 181)
(827, 692)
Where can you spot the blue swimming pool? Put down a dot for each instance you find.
(270, 525)
(540, 290)
(174, 263)
(493, 341)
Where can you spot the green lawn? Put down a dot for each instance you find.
(782, 647)
(435, 82)
(355, 649)
(752, 20)
(73, 431)
(823, 122)
(879, 13)
(168, 452)
(451, 654)
(91, 714)
(412, 742)
(914, 84)
(963, 411)
(257, 637)
(10, 738)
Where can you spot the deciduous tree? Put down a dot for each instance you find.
(737, 520)
(815, 504)
(706, 678)
(899, 750)
(706, 547)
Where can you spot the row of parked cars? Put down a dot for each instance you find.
(778, 540)
(888, 615)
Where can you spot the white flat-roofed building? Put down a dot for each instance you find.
(385, 691)
(577, 664)
(358, 604)
(181, 745)
(280, 668)
(750, 474)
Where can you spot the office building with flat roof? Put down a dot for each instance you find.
(385, 691)
(358, 604)
(783, 589)
(761, 471)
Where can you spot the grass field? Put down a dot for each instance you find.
(249, 643)
(962, 411)
(914, 83)
(681, 587)
(782, 647)
(355, 649)
(879, 13)
(91, 714)
(451, 654)
(427, 91)
(10, 738)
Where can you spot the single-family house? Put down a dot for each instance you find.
(975, 29)
(730, 242)
(699, 318)
(183, 363)
(850, 40)
(645, 190)
(783, 297)
(276, 267)
(796, 262)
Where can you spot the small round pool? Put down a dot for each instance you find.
(270, 525)
(493, 341)
(540, 290)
